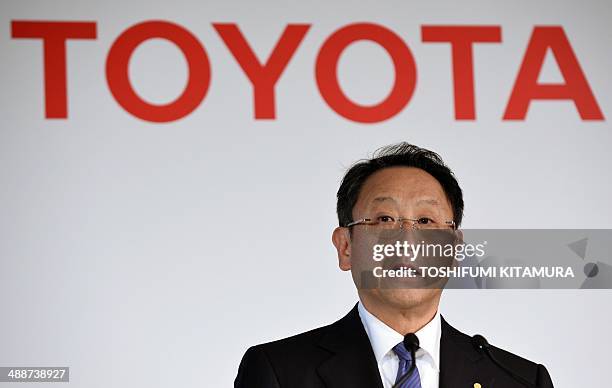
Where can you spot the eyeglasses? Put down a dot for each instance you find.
(390, 224)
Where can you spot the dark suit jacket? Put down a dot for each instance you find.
(340, 355)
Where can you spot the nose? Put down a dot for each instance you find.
(409, 234)
(413, 223)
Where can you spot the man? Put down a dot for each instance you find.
(370, 346)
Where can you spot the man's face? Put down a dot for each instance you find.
(404, 192)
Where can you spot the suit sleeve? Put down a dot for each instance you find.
(543, 379)
(255, 370)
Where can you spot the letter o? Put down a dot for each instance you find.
(327, 68)
(117, 74)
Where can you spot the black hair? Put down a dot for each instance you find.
(403, 155)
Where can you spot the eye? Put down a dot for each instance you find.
(384, 219)
(425, 221)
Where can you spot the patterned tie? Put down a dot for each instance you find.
(405, 361)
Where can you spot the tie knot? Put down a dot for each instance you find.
(402, 352)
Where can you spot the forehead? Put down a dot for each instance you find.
(402, 185)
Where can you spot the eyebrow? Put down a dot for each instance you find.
(383, 199)
(433, 202)
(428, 201)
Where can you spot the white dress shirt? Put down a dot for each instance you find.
(383, 339)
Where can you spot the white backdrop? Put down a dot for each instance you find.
(146, 254)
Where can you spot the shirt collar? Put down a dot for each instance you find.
(383, 338)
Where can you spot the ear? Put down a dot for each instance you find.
(458, 236)
(458, 241)
(342, 242)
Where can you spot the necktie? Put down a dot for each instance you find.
(405, 362)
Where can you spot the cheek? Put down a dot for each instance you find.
(361, 245)
(363, 262)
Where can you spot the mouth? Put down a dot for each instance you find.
(409, 266)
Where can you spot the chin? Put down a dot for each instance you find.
(407, 298)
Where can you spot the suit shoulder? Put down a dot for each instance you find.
(297, 341)
(532, 371)
(502, 354)
(282, 361)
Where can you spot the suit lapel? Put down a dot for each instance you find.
(461, 365)
(352, 363)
